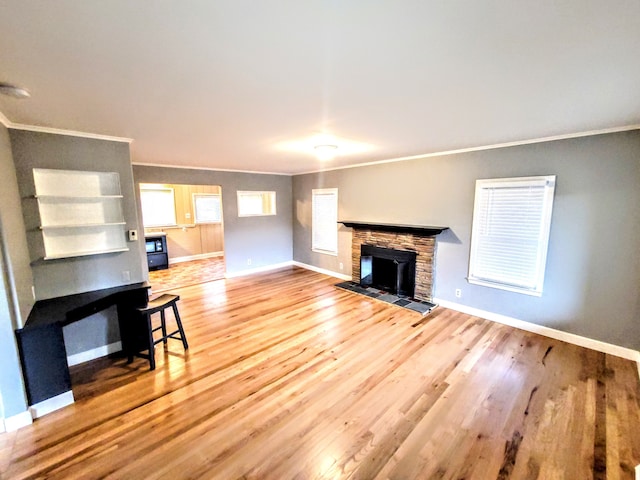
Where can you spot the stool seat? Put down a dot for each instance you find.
(160, 304)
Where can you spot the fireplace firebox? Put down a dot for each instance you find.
(388, 269)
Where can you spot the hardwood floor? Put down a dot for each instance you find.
(185, 274)
(288, 377)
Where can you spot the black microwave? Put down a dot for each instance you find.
(154, 245)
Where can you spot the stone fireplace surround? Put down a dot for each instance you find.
(419, 239)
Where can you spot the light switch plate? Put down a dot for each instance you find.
(133, 235)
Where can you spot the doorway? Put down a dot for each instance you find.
(184, 234)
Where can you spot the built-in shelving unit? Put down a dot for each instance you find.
(80, 212)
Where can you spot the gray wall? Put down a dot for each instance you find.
(593, 266)
(53, 278)
(265, 240)
(15, 282)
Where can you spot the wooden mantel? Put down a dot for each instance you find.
(422, 230)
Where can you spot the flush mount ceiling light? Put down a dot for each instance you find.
(325, 146)
(13, 90)
(326, 152)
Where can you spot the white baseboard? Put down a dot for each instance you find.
(51, 404)
(572, 338)
(331, 273)
(200, 256)
(16, 421)
(94, 353)
(251, 271)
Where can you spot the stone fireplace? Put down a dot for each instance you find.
(408, 238)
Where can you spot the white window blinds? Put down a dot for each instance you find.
(207, 207)
(510, 233)
(158, 207)
(324, 229)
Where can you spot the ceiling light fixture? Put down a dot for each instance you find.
(13, 91)
(326, 152)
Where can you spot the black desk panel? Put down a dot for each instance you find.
(41, 343)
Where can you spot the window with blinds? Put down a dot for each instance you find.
(324, 228)
(158, 207)
(207, 208)
(510, 233)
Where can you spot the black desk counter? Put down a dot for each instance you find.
(41, 343)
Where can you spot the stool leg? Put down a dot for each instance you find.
(152, 352)
(164, 327)
(179, 322)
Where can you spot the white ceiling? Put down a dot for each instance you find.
(221, 84)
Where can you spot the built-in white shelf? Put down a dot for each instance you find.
(82, 254)
(80, 212)
(83, 225)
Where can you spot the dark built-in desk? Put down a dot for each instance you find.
(42, 351)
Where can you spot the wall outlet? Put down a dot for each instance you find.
(248, 261)
(133, 235)
(458, 293)
(126, 275)
(187, 215)
(341, 266)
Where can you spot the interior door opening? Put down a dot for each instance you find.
(184, 234)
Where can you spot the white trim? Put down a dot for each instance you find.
(51, 404)
(199, 256)
(331, 273)
(4, 120)
(213, 169)
(572, 338)
(18, 421)
(251, 271)
(637, 472)
(516, 143)
(59, 131)
(94, 353)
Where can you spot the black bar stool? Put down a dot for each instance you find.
(160, 304)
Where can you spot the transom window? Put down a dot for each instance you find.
(252, 203)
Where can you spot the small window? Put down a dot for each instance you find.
(510, 233)
(207, 208)
(324, 229)
(158, 207)
(252, 204)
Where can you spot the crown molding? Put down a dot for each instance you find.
(516, 143)
(4, 120)
(59, 131)
(213, 169)
(70, 133)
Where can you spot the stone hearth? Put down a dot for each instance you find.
(425, 247)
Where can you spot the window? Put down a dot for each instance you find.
(324, 228)
(256, 203)
(207, 208)
(510, 233)
(158, 207)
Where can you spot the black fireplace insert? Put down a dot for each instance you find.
(388, 269)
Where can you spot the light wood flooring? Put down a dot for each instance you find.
(288, 377)
(185, 274)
